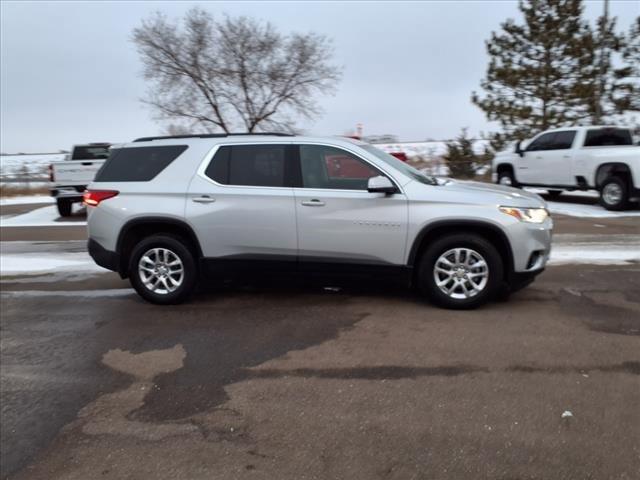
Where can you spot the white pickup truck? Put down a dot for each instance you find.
(601, 158)
(70, 177)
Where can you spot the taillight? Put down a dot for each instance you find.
(51, 178)
(94, 197)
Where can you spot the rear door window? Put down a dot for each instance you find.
(608, 137)
(249, 165)
(138, 164)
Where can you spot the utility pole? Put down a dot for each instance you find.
(603, 48)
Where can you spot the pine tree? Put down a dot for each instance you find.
(533, 68)
(460, 157)
(606, 87)
(630, 98)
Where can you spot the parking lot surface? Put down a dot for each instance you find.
(300, 381)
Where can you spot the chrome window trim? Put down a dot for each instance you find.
(209, 156)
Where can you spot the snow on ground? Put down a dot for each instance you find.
(42, 262)
(17, 166)
(26, 200)
(590, 211)
(40, 217)
(595, 254)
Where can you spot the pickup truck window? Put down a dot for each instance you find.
(543, 142)
(553, 141)
(564, 140)
(608, 137)
(90, 152)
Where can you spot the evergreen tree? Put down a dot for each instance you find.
(630, 100)
(530, 83)
(606, 87)
(460, 157)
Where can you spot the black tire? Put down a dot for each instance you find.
(180, 248)
(614, 202)
(554, 193)
(64, 207)
(427, 283)
(507, 176)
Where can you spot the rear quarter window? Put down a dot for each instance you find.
(139, 164)
(608, 137)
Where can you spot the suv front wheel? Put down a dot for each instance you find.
(163, 270)
(460, 271)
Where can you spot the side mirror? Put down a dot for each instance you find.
(381, 184)
(519, 150)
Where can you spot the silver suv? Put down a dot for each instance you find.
(169, 211)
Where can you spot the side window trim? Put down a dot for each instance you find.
(208, 158)
(298, 162)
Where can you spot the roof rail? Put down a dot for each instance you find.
(212, 135)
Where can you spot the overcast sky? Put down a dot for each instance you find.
(70, 74)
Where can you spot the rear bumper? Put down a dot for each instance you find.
(70, 192)
(103, 257)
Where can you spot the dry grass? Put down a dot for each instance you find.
(7, 190)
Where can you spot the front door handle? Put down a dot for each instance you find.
(204, 199)
(314, 202)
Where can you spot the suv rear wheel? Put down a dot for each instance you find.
(162, 269)
(460, 271)
(614, 193)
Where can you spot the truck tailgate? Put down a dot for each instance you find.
(75, 172)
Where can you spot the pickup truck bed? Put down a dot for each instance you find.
(69, 178)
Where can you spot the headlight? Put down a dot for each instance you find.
(529, 215)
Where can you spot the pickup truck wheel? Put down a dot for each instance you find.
(460, 271)
(163, 270)
(614, 193)
(64, 207)
(507, 178)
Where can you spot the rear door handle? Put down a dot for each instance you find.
(314, 202)
(204, 199)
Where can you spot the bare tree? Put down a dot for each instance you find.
(212, 75)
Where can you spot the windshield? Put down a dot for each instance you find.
(405, 168)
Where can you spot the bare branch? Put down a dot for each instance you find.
(234, 72)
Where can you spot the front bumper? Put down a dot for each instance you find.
(103, 257)
(531, 245)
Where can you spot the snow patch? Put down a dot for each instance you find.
(40, 217)
(590, 211)
(594, 254)
(39, 262)
(26, 200)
